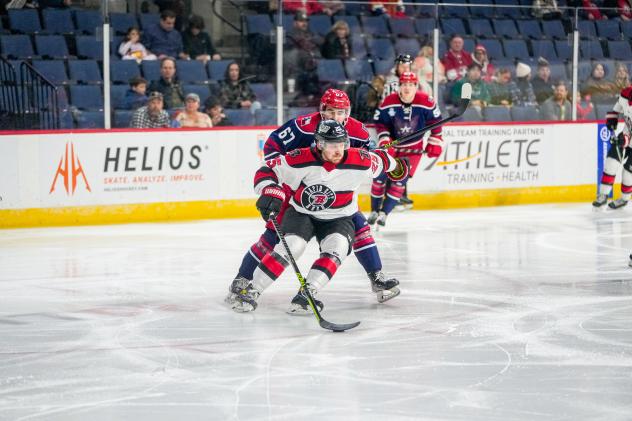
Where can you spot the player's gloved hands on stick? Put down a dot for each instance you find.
(612, 119)
(270, 201)
(400, 172)
(433, 147)
(623, 140)
(384, 141)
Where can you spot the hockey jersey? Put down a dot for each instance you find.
(299, 133)
(624, 106)
(322, 189)
(395, 119)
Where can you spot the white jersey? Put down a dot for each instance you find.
(321, 189)
(623, 106)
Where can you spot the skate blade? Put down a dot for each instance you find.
(297, 310)
(392, 293)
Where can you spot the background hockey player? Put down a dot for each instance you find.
(619, 151)
(323, 180)
(299, 133)
(402, 113)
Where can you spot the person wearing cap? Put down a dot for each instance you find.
(135, 97)
(456, 60)
(480, 89)
(169, 84)
(190, 116)
(152, 115)
(480, 57)
(302, 46)
(526, 96)
(542, 82)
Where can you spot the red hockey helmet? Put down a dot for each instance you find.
(335, 98)
(408, 77)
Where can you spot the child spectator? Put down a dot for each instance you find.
(215, 111)
(480, 57)
(584, 106)
(132, 49)
(197, 42)
(135, 96)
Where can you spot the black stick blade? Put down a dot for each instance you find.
(337, 327)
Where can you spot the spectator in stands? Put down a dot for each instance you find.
(610, 9)
(480, 89)
(598, 87)
(625, 9)
(152, 115)
(503, 91)
(557, 107)
(162, 38)
(546, 9)
(542, 82)
(391, 8)
(337, 42)
(526, 96)
(422, 66)
(621, 77)
(168, 84)
(332, 7)
(190, 116)
(132, 49)
(135, 97)
(302, 45)
(480, 57)
(584, 106)
(590, 11)
(197, 42)
(215, 111)
(456, 60)
(178, 7)
(235, 91)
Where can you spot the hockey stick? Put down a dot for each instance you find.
(323, 323)
(466, 96)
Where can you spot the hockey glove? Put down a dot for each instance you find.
(623, 140)
(400, 173)
(433, 147)
(384, 141)
(612, 119)
(271, 199)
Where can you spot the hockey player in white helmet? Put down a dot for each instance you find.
(620, 152)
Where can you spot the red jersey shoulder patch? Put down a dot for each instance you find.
(307, 123)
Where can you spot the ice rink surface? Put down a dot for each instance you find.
(511, 313)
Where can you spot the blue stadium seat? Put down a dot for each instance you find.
(217, 69)
(358, 47)
(496, 113)
(320, 24)
(151, 69)
(294, 112)
(543, 48)
(375, 25)
(505, 28)
(564, 49)
(330, 70)
(258, 24)
(359, 70)
(481, 28)
(84, 71)
(381, 48)
(423, 9)
(266, 117)
(122, 71)
(608, 29)
(287, 22)
(403, 27)
(382, 67)
(122, 118)
(609, 67)
(471, 114)
(482, 8)
(558, 71)
(148, 19)
(117, 95)
(619, 50)
(240, 117)
(590, 49)
(25, 21)
(192, 71)
(51, 46)
(86, 97)
(424, 27)
(88, 46)
(58, 21)
(90, 119)
(451, 9)
(530, 28)
(201, 90)
(584, 68)
(453, 26)
(53, 70)
(265, 93)
(626, 28)
(553, 29)
(602, 109)
(519, 113)
(87, 21)
(586, 29)
(511, 12)
(352, 21)
(493, 47)
(407, 46)
(16, 46)
(121, 22)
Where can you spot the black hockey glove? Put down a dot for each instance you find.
(622, 141)
(271, 199)
(612, 119)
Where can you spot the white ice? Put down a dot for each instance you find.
(511, 313)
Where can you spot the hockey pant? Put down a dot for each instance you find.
(364, 247)
(334, 238)
(385, 194)
(611, 167)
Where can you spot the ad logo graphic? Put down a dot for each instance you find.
(69, 169)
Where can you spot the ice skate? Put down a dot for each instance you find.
(300, 304)
(237, 285)
(246, 299)
(372, 218)
(385, 289)
(406, 203)
(601, 200)
(381, 219)
(616, 204)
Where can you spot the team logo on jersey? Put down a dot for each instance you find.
(294, 152)
(317, 197)
(391, 112)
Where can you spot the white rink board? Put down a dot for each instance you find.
(181, 166)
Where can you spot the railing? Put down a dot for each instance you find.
(40, 100)
(10, 110)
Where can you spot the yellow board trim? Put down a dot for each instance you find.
(242, 208)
